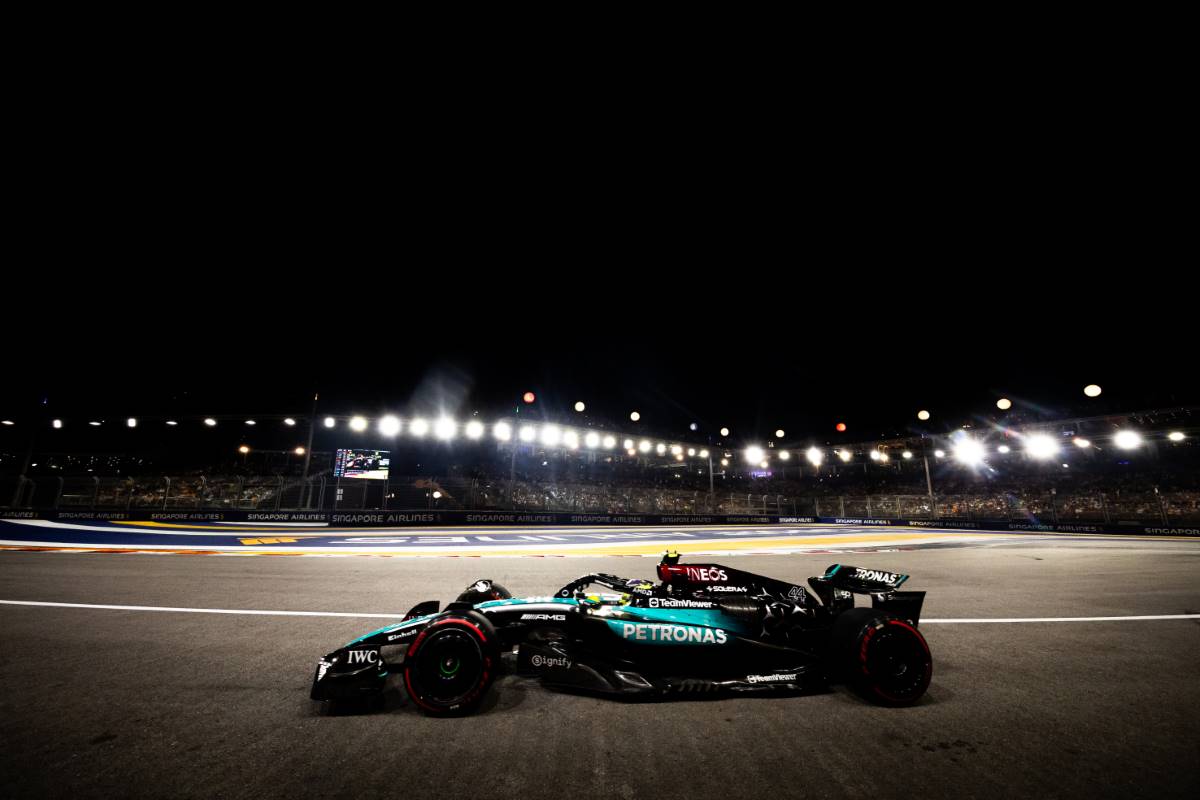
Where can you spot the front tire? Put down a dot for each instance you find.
(885, 659)
(451, 664)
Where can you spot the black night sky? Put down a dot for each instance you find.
(705, 284)
(800, 365)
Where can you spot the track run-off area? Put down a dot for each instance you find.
(1065, 665)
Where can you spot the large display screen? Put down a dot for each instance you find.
(372, 464)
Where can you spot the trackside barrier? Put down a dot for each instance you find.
(433, 518)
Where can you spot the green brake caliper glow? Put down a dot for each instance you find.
(449, 666)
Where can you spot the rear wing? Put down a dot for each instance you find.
(837, 585)
(864, 581)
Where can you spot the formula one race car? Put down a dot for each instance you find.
(701, 628)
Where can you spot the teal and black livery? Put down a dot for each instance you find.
(701, 628)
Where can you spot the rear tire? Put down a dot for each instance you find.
(451, 664)
(883, 658)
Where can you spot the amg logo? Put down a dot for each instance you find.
(791, 676)
(876, 575)
(550, 661)
(661, 602)
(545, 617)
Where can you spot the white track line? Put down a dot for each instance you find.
(200, 610)
(397, 616)
(1059, 619)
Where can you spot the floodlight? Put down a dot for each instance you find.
(172, 423)
(875, 454)
(754, 454)
(474, 429)
(779, 433)
(1091, 390)
(358, 423)
(939, 453)
(1176, 436)
(329, 422)
(289, 421)
(660, 448)
(1003, 448)
(580, 406)
(299, 451)
(592, 440)
(845, 455)
(724, 431)
(923, 415)
(56, 424)
(1004, 404)
(502, 431)
(676, 449)
(907, 454)
(131, 422)
(1041, 446)
(551, 435)
(1081, 443)
(1127, 440)
(704, 454)
(418, 427)
(635, 416)
(571, 439)
(644, 446)
(528, 433)
(969, 451)
(691, 452)
(814, 456)
(610, 442)
(389, 425)
(210, 422)
(445, 429)
(249, 422)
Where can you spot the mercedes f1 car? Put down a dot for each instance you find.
(699, 628)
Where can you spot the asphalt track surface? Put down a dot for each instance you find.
(103, 702)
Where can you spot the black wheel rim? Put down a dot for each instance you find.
(897, 663)
(448, 666)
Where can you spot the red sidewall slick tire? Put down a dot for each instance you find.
(451, 664)
(888, 661)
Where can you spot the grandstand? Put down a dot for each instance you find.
(1068, 470)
